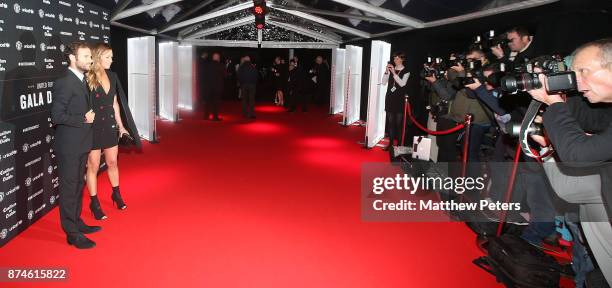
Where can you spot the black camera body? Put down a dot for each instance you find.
(439, 109)
(435, 68)
(524, 78)
(490, 40)
(473, 70)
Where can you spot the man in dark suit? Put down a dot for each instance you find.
(296, 88)
(72, 114)
(202, 73)
(214, 75)
(322, 81)
(247, 77)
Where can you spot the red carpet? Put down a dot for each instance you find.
(270, 203)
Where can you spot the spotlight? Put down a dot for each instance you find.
(259, 10)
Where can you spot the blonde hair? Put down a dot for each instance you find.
(93, 79)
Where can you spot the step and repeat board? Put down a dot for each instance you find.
(33, 36)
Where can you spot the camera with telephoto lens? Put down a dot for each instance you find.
(498, 73)
(524, 78)
(514, 129)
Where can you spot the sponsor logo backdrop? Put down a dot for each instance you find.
(33, 34)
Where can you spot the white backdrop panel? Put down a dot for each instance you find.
(141, 83)
(352, 104)
(338, 81)
(185, 80)
(168, 80)
(375, 127)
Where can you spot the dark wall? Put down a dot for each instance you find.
(559, 27)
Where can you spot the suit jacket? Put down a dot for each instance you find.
(522, 57)
(71, 100)
(215, 75)
(247, 74)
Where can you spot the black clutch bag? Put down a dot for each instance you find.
(126, 140)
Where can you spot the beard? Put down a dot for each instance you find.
(84, 66)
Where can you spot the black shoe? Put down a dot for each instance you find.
(117, 200)
(95, 208)
(86, 229)
(81, 242)
(252, 117)
(291, 110)
(217, 119)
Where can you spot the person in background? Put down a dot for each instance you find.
(322, 79)
(279, 84)
(214, 75)
(247, 76)
(202, 72)
(296, 83)
(396, 76)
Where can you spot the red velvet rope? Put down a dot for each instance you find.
(424, 129)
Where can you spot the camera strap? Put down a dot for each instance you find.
(530, 115)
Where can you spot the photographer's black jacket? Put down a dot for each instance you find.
(520, 58)
(566, 124)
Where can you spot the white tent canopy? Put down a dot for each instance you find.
(289, 23)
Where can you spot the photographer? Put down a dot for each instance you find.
(531, 181)
(464, 102)
(521, 49)
(566, 123)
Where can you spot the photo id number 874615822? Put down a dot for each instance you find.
(33, 274)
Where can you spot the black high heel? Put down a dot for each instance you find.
(117, 200)
(96, 209)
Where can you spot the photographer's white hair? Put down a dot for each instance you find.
(605, 51)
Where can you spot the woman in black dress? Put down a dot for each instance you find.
(107, 126)
(279, 85)
(397, 78)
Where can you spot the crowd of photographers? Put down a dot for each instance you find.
(496, 81)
